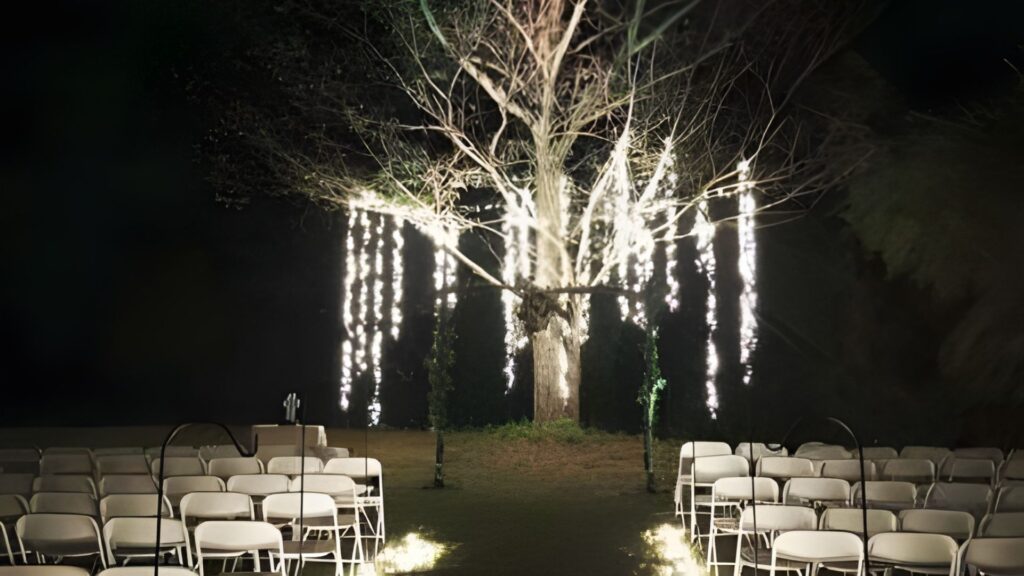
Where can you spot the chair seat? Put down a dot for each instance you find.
(309, 548)
(764, 558)
(727, 524)
(323, 522)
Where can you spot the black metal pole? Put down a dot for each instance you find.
(160, 475)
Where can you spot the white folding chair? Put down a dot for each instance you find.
(956, 524)
(816, 492)
(877, 453)
(233, 538)
(688, 452)
(132, 506)
(823, 452)
(122, 464)
(704, 472)
(177, 487)
(816, 547)
(934, 453)
(59, 536)
(1002, 525)
(208, 453)
(346, 499)
(63, 503)
(730, 495)
(993, 556)
(215, 506)
(784, 468)
(319, 511)
(294, 465)
(225, 468)
(129, 538)
(143, 570)
(914, 552)
(369, 477)
(916, 470)
(116, 451)
(1010, 498)
(65, 483)
(885, 494)
(12, 507)
(771, 519)
(259, 485)
(981, 453)
(80, 463)
(1013, 469)
(45, 570)
(77, 450)
(19, 460)
(328, 453)
(127, 484)
(972, 498)
(957, 469)
(852, 520)
(848, 470)
(19, 484)
(760, 450)
(153, 453)
(178, 466)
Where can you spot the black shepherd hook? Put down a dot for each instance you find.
(160, 475)
(863, 481)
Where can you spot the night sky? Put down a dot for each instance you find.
(130, 295)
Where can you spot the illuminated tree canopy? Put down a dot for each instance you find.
(579, 139)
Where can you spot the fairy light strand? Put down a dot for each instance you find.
(747, 207)
(704, 232)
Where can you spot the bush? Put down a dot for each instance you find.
(563, 430)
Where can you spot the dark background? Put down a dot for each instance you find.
(130, 295)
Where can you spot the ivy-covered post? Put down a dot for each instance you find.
(439, 365)
(650, 391)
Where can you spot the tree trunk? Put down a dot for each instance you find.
(556, 371)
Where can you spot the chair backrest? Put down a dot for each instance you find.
(934, 453)
(886, 493)
(208, 453)
(707, 470)
(848, 469)
(177, 487)
(122, 464)
(132, 506)
(972, 498)
(956, 524)
(178, 466)
(127, 484)
(18, 483)
(259, 484)
(294, 465)
(65, 464)
(12, 506)
(957, 469)
(116, 451)
(852, 520)
(65, 483)
(239, 536)
(285, 507)
(994, 555)
(1002, 525)
(78, 450)
(20, 460)
(225, 468)
(153, 453)
(354, 467)
(803, 491)
(982, 453)
(775, 517)
(744, 489)
(822, 452)
(140, 570)
(140, 533)
(1013, 469)
(216, 505)
(916, 470)
(877, 453)
(687, 452)
(338, 486)
(326, 453)
(814, 546)
(760, 450)
(60, 535)
(63, 503)
(1010, 498)
(909, 549)
(785, 467)
(47, 570)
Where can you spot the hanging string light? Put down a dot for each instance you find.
(704, 232)
(367, 295)
(747, 207)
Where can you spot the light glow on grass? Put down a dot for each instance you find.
(671, 551)
(412, 553)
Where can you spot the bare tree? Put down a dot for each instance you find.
(582, 135)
